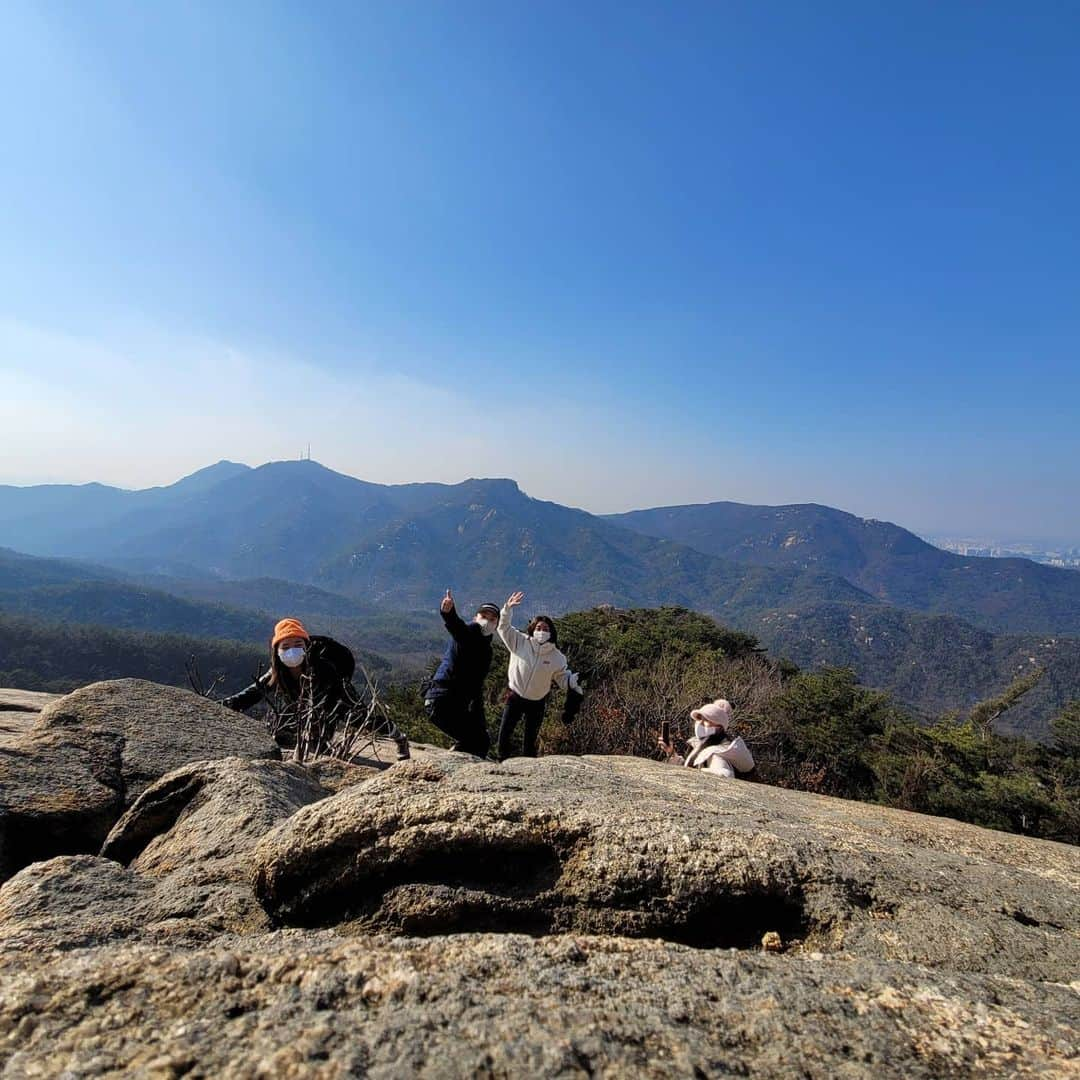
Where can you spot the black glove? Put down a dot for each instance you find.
(572, 707)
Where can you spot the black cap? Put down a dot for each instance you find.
(490, 607)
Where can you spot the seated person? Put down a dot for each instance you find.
(711, 748)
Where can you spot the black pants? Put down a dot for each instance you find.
(463, 720)
(516, 708)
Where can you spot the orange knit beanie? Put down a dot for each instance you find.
(288, 628)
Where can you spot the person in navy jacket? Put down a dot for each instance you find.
(454, 701)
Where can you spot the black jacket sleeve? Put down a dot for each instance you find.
(572, 707)
(455, 624)
(249, 696)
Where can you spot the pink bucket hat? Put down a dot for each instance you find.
(718, 713)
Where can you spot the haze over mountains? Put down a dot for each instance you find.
(814, 583)
(888, 562)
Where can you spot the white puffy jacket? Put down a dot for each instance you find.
(533, 667)
(726, 759)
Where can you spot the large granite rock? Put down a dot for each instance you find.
(626, 847)
(72, 901)
(163, 727)
(65, 779)
(176, 865)
(242, 919)
(209, 814)
(311, 1004)
(60, 792)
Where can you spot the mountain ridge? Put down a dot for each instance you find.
(393, 548)
(885, 560)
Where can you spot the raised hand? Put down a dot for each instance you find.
(515, 599)
(447, 604)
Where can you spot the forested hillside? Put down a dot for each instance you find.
(886, 561)
(932, 663)
(58, 657)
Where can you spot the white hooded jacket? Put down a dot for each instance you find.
(726, 759)
(533, 667)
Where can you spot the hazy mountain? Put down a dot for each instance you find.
(888, 562)
(81, 593)
(231, 548)
(299, 521)
(486, 537)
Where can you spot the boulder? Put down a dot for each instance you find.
(163, 727)
(208, 814)
(176, 864)
(60, 792)
(72, 901)
(627, 847)
(303, 1003)
(66, 779)
(192, 833)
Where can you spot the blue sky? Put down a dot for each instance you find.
(629, 254)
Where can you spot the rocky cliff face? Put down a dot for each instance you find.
(561, 917)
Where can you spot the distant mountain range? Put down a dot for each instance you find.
(815, 583)
(889, 563)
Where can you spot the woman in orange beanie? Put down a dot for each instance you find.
(310, 676)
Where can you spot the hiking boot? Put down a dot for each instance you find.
(403, 748)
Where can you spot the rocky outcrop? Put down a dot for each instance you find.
(504, 1005)
(176, 865)
(66, 778)
(626, 847)
(558, 917)
(60, 792)
(162, 727)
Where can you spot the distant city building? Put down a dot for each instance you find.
(1067, 558)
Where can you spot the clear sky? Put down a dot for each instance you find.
(627, 253)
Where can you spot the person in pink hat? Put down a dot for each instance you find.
(711, 748)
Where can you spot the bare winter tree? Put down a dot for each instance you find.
(195, 679)
(623, 714)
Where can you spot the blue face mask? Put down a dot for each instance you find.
(293, 656)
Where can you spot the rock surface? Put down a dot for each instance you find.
(245, 919)
(60, 792)
(19, 711)
(67, 777)
(162, 727)
(298, 1004)
(627, 847)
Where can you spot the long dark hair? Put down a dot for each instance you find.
(536, 620)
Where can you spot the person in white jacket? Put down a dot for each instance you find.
(535, 665)
(712, 749)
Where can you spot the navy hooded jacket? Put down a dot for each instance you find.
(465, 663)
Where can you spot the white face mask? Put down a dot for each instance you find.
(541, 637)
(487, 625)
(703, 731)
(293, 656)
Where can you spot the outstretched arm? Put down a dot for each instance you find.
(453, 622)
(565, 679)
(250, 695)
(513, 639)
